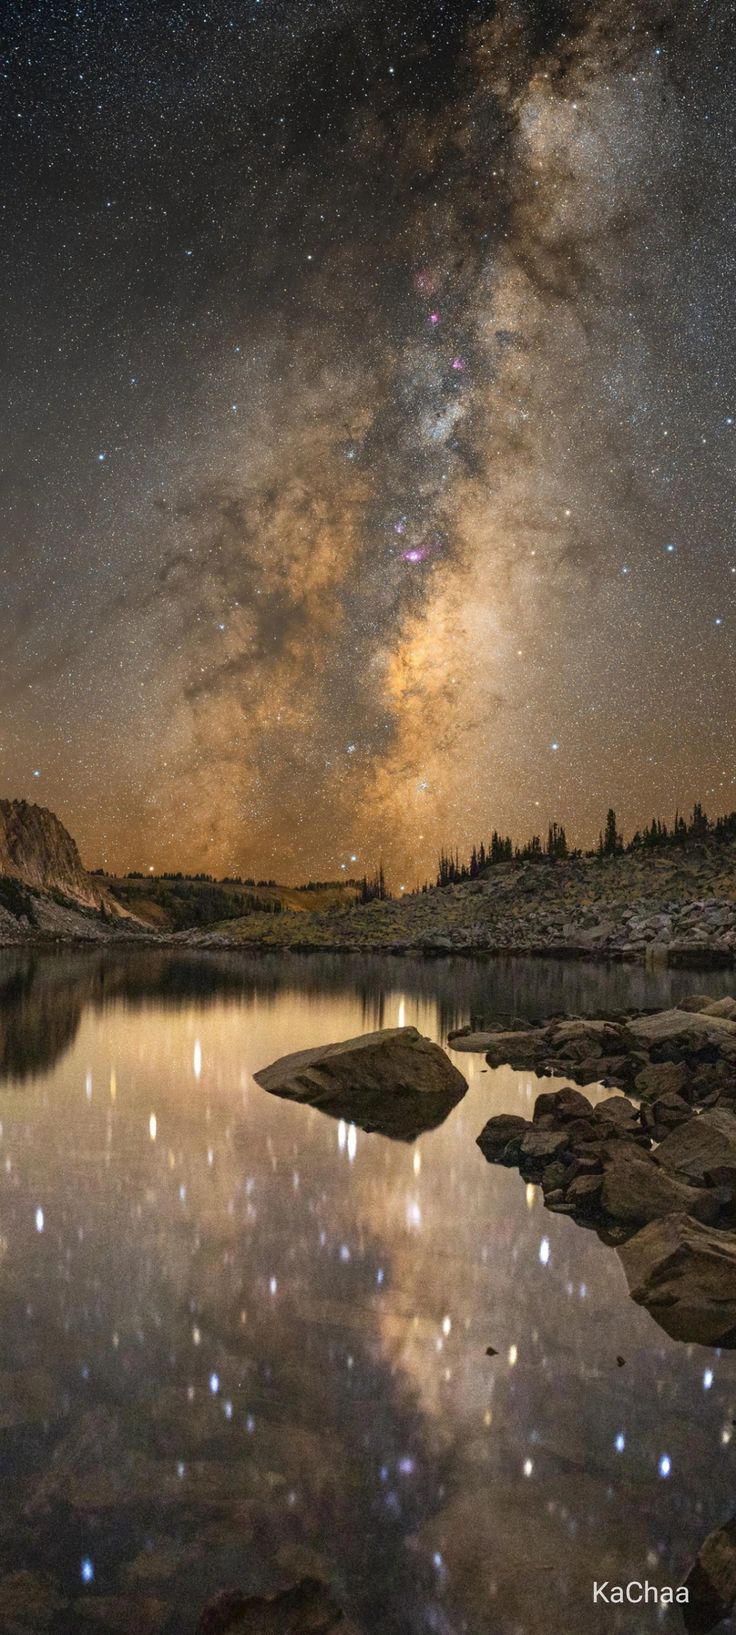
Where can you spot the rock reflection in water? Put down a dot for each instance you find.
(242, 1344)
(42, 996)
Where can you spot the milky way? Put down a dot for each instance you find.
(368, 480)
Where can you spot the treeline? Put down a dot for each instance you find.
(330, 885)
(374, 889)
(611, 843)
(501, 849)
(699, 827)
(200, 879)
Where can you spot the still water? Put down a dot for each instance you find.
(240, 1342)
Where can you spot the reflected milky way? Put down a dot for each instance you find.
(241, 1340)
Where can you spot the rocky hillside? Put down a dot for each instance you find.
(679, 904)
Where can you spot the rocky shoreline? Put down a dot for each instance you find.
(654, 1175)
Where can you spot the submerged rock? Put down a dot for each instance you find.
(305, 1609)
(685, 1275)
(711, 1581)
(395, 1082)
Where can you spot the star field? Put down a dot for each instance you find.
(368, 476)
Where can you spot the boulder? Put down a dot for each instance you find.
(394, 1081)
(674, 1026)
(496, 1135)
(478, 1042)
(684, 1273)
(561, 1105)
(541, 1146)
(28, 1602)
(584, 1194)
(661, 1079)
(722, 1007)
(554, 1177)
(517, 1049)
(587, 1037)
(617, 1110)
(305, 1609)
(695, 1002)
(711, 1581)
(704, 1143)
(635, 1190)
(659, 1117)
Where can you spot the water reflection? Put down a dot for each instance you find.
(241, 1341)
(43, 996)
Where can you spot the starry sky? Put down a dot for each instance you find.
(367, 479)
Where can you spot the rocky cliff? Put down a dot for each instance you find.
(36, 849)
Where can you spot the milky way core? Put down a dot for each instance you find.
(368, 480)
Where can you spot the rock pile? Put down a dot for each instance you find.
(599, 1164)
(658, 1178)
(688, 1051)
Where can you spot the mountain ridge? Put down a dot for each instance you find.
(38, 850)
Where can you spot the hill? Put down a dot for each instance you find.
(679, 904)
(177, 903)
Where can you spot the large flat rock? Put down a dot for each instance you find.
(664, 1026)
(395, 1082)
(479, 1042)
(704, 1143)
(685, 1275)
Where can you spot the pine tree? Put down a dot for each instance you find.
(611, 841)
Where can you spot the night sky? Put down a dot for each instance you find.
(368, 473)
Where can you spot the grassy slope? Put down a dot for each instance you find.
(154, 902)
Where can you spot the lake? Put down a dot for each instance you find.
(242, 1342)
